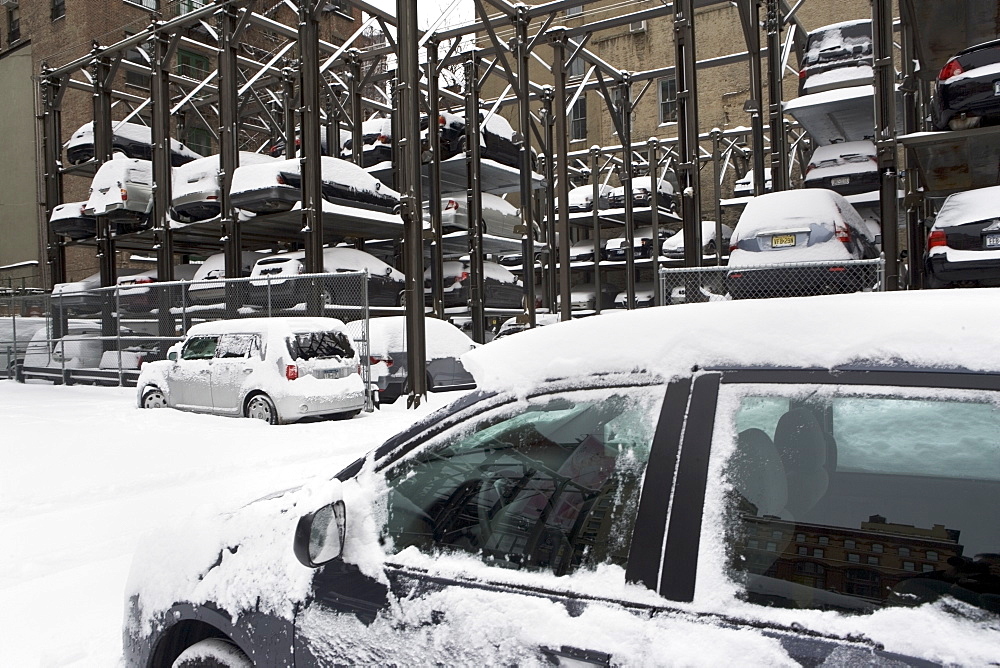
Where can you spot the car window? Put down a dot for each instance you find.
(313, 345)
(550, 484)
(238, 346)
(857, 498)
(199, 348)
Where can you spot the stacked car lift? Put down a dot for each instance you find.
(323, 87)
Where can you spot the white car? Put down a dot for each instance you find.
(643, 189)
(69, 220)
(849, 168)
(744, 185)
(581, 198)
(123, 189)
(500, 217)
(673, 247)
(645, 295)
(208, 287)
(278, 370)
(195, 191)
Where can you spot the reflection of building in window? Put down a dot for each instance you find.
(668, 100)
(862, 582)
(578, 119)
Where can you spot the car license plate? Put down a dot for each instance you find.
(991, 241)
(840, 180)
(782, 240)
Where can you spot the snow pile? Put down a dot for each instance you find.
(454, 269)
(821, 332)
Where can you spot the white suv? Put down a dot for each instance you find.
(275, 369)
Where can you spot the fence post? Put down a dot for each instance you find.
(881, 272)
(268, 279)
(118, 334)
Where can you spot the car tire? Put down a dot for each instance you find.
(402, 298)
(212, 653)
(260, 407)
(152, 397)
(347, 415)
(328, 297)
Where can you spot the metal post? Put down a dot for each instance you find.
(551, 249)
(229, 155)
(51, 90)
(914, 233)
(434, 196)
(885, 134)
(779, 142)
(595, 176)
(354, 85)
(562, 173)
(102, 153)
(687, 132)
(408, 160)
(625, 109)
(289, 105)
(653, 145)
(311, 164)
(521, 22)
(159, 93)
(716, 135)
(750, 19)
(473, 133)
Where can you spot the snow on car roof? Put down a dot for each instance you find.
(490, 270)
(707, 234)
(286, 325)
(68, 210)
(252, 177)
(131, 131)
(811, 332)
(841, 149)
(969, 207)
(197, 175)
(388, 335)
(112, 172)
(775, 211)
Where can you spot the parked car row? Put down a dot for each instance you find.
(670, 244)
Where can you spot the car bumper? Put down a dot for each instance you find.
(272, 199)
(974, 97)
(983, 272)
(321, 397)
(197, 206)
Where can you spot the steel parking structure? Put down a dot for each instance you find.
(319, 87)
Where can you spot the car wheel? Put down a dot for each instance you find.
(212, 653)
(153, 398)
(328, 297)
(710, 248)
(261, 407)
(402, 298)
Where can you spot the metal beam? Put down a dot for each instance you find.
(885, 135)
(687, 135)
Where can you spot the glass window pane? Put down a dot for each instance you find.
(901, 472)
(548, 485)
(199, 348)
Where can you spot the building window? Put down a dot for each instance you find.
(818, 553)
(904, 551)
(877, 548)
(824, 540)
(199, 140)
(58, 9)
(13, 24)
(873, 561)
(146, 4)
(772, 547)
(574, 11)
(753, 544)
(854, 559)
(927, 568)
(803, 550)
(668, 100)
(862, 583)
(776, 534)
(932, 555)
(577, 67)
(578, 119)
(185, 6)
(800, 538)
(137, 56)
(192, 65)
(849, 544)
(909, 566)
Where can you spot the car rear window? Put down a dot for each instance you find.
(320, 345)
(853, 500)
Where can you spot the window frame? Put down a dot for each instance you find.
(578, 120)
(58, 9)
(666, 105)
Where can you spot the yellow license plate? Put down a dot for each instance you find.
(781, 240)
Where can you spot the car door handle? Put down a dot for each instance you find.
(247, 371)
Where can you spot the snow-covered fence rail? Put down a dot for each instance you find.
(688, 284)
(103, 335)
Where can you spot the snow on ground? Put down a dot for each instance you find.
(84, 474)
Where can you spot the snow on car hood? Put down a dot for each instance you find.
(68, 210)
(819, 332)
(203, 174)
(969, 207)
(335, 170)
(388, 336)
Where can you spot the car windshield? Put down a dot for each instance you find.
(852, 499)
(320, 345)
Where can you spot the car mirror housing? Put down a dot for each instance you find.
(319, 536)
(172, 356)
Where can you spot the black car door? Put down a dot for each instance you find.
(530, 532)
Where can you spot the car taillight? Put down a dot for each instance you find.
(733, 247)
(950, 69)
(441, 120)
(464, 275)
(281, 179)
(937, 238)
(843, 234)
(836, 269)
(375, 359)
(144, 279)
(124, 195)
(452, 204)
(291, 372)
(384, 139)
(802, 73)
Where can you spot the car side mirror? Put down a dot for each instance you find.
(172, 356)
(319, 536)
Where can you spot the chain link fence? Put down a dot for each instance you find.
(801, 279)
(103, 336)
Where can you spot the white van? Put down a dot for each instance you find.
(122, 188)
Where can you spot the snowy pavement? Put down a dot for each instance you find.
(84, 474)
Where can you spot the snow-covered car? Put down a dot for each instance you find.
(645, 295)
(967, 90)
(376, 139)
(70, 220)
(673, 247)
(583, 250)
(445, 344)
(517, 324)
(812, 225)
(15, 333)
(81, 347)
(689, 501)
(132, 139)
(278, 370)
(744, 185)
(501, 288)
(849, 168)
(278, 149)
(122, 189)
(276, 186)
(500, 217)
(195, 191)
(83, 296)
(138, 293)
(963, 246)
(642, 193)
(581, 198)
(273, 280)
(643, 244)
(584, 296)
(837, 56)
(207, 286)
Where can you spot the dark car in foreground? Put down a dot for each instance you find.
(967, 91)
(963, 247)
(684, 503)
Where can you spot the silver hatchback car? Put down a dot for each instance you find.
(275, 369)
